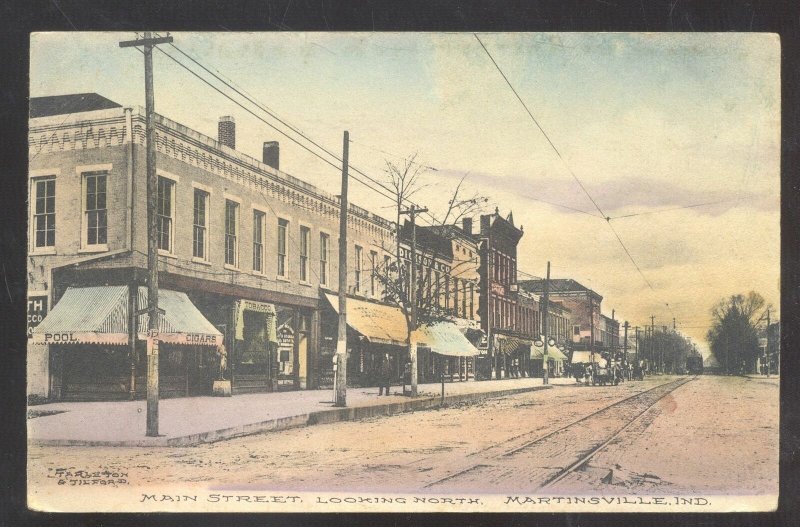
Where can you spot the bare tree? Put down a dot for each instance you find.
(431, 304)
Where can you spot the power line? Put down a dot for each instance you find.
(602, 214)
(553, 146)
(293, 128)
(673, 208)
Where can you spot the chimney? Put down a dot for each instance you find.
(466, 226)
(271, 154)
(226, 131)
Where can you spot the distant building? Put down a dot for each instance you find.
(588, 329)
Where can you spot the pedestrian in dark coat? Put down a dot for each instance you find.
(384, 375)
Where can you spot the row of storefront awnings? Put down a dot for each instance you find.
(384, 324)
(585, 357)
(100, 315)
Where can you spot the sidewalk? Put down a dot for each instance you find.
(193, 420)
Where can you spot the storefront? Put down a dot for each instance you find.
(556, 360)
(374, 330)
(95, 355)
(512, 356)
(445, 353)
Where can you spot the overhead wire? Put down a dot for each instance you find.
(569, 169)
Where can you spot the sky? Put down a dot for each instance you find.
(645, 123)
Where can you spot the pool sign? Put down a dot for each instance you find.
(37, 310)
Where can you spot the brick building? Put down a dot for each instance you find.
(247, 246)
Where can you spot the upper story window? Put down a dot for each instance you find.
(258, 241)
(358, 268)
(324, 248)
(165, 211)
(305, 236)
(44, 217)
(95, 209)
(200, 225)
(231, 232)
(283, 226)
(373, 261)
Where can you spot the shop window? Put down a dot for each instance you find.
(44, 218)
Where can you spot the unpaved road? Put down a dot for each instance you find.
(712, 435)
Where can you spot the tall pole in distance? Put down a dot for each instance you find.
(148, 43)
(652, 350)
(545, 311)
(638, 363)
(341, 342)
(768, 355)
(412, 345)
(625, 346)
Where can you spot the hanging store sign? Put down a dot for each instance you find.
(37, 310)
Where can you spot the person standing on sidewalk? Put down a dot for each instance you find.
(384, 375)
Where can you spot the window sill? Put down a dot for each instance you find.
(230, 267)
(43, 251)
(93, 249)
(200, 261)
(282, 278)
(307, 284)
(162, 252)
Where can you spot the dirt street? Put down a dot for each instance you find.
(713, 435)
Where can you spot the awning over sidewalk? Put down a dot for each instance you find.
(445, 338)
(584, 357)
(379, 323)
(506, 344)
(99, 315)
(553, 353)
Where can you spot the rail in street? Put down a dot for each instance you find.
(529, 462)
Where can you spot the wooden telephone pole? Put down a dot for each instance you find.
(341, 343)
(545, 312)
(148, 43)
(412, 346)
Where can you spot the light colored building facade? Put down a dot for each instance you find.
(251, 247)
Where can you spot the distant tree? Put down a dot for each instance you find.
(734, 336)
(666, 350)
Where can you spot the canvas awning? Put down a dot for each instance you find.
(99, 315)
(506, 344)
(584, 357)
(553, 353)
(378, 323)
(445, 338)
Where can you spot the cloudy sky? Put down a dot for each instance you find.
(647, 122)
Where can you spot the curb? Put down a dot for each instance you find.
(318, 417)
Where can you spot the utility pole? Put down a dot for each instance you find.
(591, 332)
(341, 342)
(625, 346)
(768, 354)
(663, 345)
(148, 43)
(412, 345)
(652, 350)
(638, 363)
(545, 311)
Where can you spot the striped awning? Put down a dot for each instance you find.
(445, 338)
(553, 353)
(99, 315)
(506, 344)
(378, 323)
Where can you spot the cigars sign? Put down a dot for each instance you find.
(37, 310)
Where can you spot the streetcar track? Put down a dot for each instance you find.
(584, 456)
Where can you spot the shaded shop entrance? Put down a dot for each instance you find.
(271, 349)
(94, 354)
(373, 331)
